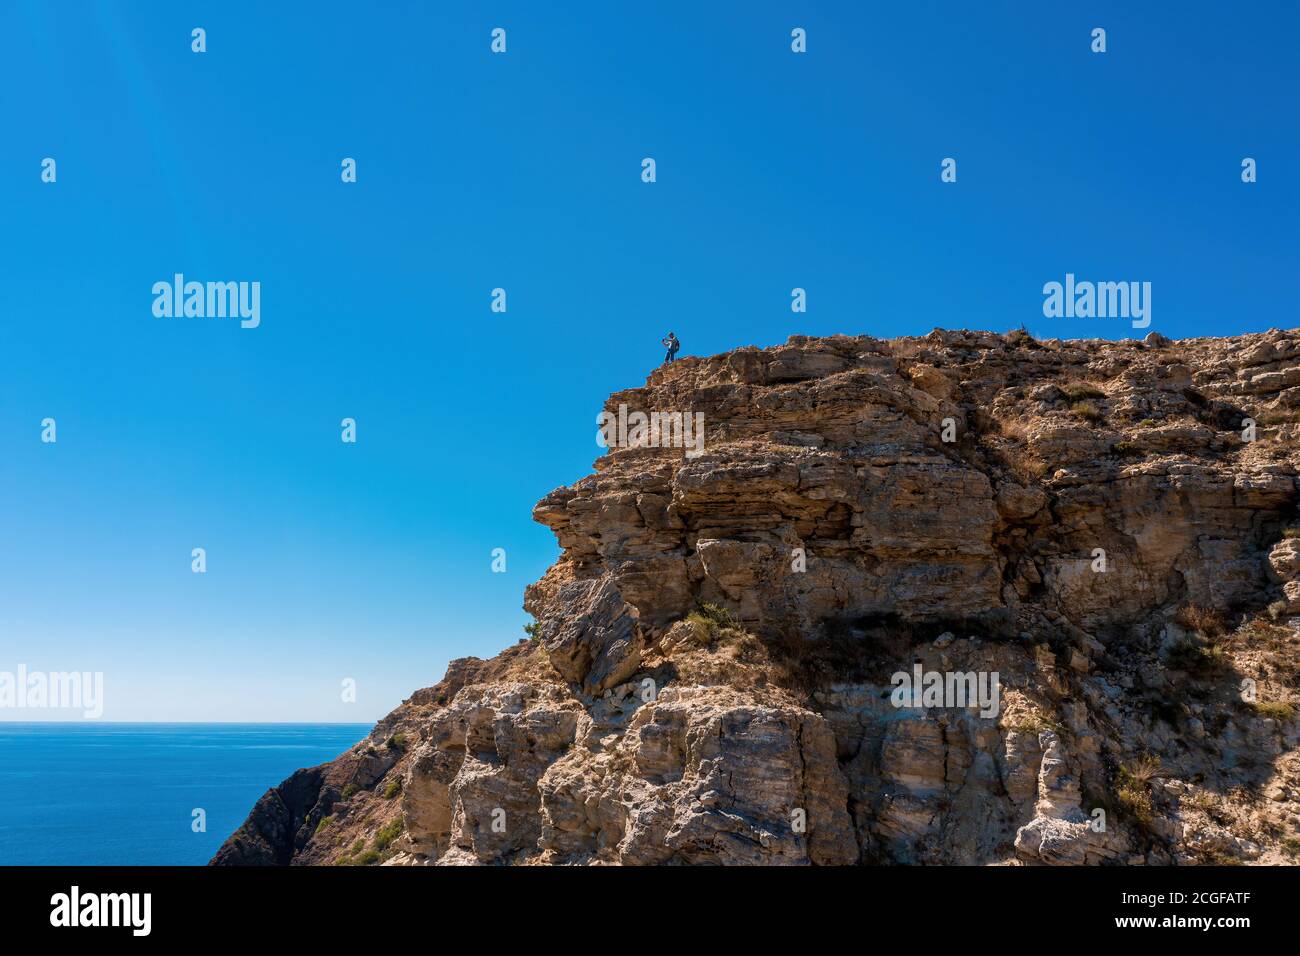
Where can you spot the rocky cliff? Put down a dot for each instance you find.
(1103, 533)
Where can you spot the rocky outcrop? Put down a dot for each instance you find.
(1284, 562)
(1088, 550)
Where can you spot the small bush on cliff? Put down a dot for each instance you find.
(358, 855)
(709, 619)
(533, 630)
(1291, 534)
(1202, 620)
(393, 789)
(1020, 338)
(397, 742)
(1216, 856)
(1259, 631)
(349, 856)
(1276, 709)
(1133, 789)
(703, 630)
(324, 822)
(1076, 391)
(719, 615)
(388, 833)
(349, 791)
(1088, 411)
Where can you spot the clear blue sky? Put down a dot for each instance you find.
(775, 170)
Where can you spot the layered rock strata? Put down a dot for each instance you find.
(1110, 528)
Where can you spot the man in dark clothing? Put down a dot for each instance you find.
(672, 344)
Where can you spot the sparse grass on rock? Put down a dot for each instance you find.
(710, 619)
(1202, 620)
(1088, 411)
(1275, 709)
(1077, 391)
(1133, 789)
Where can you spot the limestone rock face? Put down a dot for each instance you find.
(597, 644)
(721, 664)
(1284, 562)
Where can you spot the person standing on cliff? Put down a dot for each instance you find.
(672, 344)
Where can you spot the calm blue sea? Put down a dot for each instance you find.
(101, 794)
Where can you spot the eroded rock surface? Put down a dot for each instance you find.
(1109, 527)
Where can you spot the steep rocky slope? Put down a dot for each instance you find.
(1097, 523)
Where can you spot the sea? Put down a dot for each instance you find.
(104, 794)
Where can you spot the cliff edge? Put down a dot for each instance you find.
(962, 598)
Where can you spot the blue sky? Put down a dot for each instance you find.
(373, 561)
